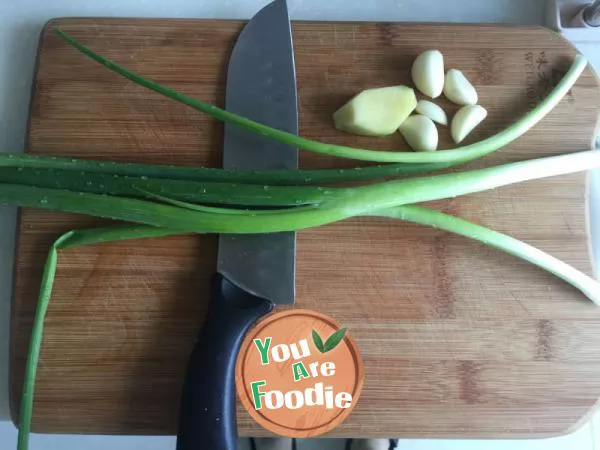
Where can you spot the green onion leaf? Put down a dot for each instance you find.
(184, 190)
(68, 240)
(164, 171)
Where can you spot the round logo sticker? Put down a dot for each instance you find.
(299, 373)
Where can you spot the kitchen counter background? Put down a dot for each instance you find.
(20, 25)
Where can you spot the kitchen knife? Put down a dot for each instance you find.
(254, 272)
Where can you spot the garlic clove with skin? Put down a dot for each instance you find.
(420, 133)
(465, 121)
(433, 111)
(458, 89)
(428, 73)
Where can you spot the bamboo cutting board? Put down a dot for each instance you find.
(458, 340)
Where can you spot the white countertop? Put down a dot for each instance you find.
(22, 20)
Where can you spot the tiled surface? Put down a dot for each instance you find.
(581, 439)
(595, 425)
(20, 22)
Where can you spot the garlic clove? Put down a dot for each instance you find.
(431, 110)
(420, 133)
(428, 73)
(458, 89)
(465, 121)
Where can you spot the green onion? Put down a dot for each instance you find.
(457, 155)
(220, 210)
(430, 217)
(70, 239)
(420, 215)
(369, 200)
(344, 204)
(272, 177)
(192, 191)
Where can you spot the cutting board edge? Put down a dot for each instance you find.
(14, 398)
(342, 434)
(593, 258)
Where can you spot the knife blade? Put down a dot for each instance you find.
(253, 271)
(261, 85)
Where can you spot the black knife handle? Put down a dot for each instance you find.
(207, 412)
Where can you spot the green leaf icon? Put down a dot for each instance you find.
(333, 340)
(318, 341)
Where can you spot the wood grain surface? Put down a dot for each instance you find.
(458, 339)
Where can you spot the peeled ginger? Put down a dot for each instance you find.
(376, 112)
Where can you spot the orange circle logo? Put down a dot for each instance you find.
(299, 374)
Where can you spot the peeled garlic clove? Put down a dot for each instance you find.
(377, 111)
(431, 110)
(465, 121)
(428, 73)
(420, 133)
(458, 89)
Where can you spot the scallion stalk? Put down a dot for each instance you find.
(74, 238)
(221, 210)
(187, 190)
(430, 217)
(272, 177)
(457, 155)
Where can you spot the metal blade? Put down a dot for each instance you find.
(261, 85)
